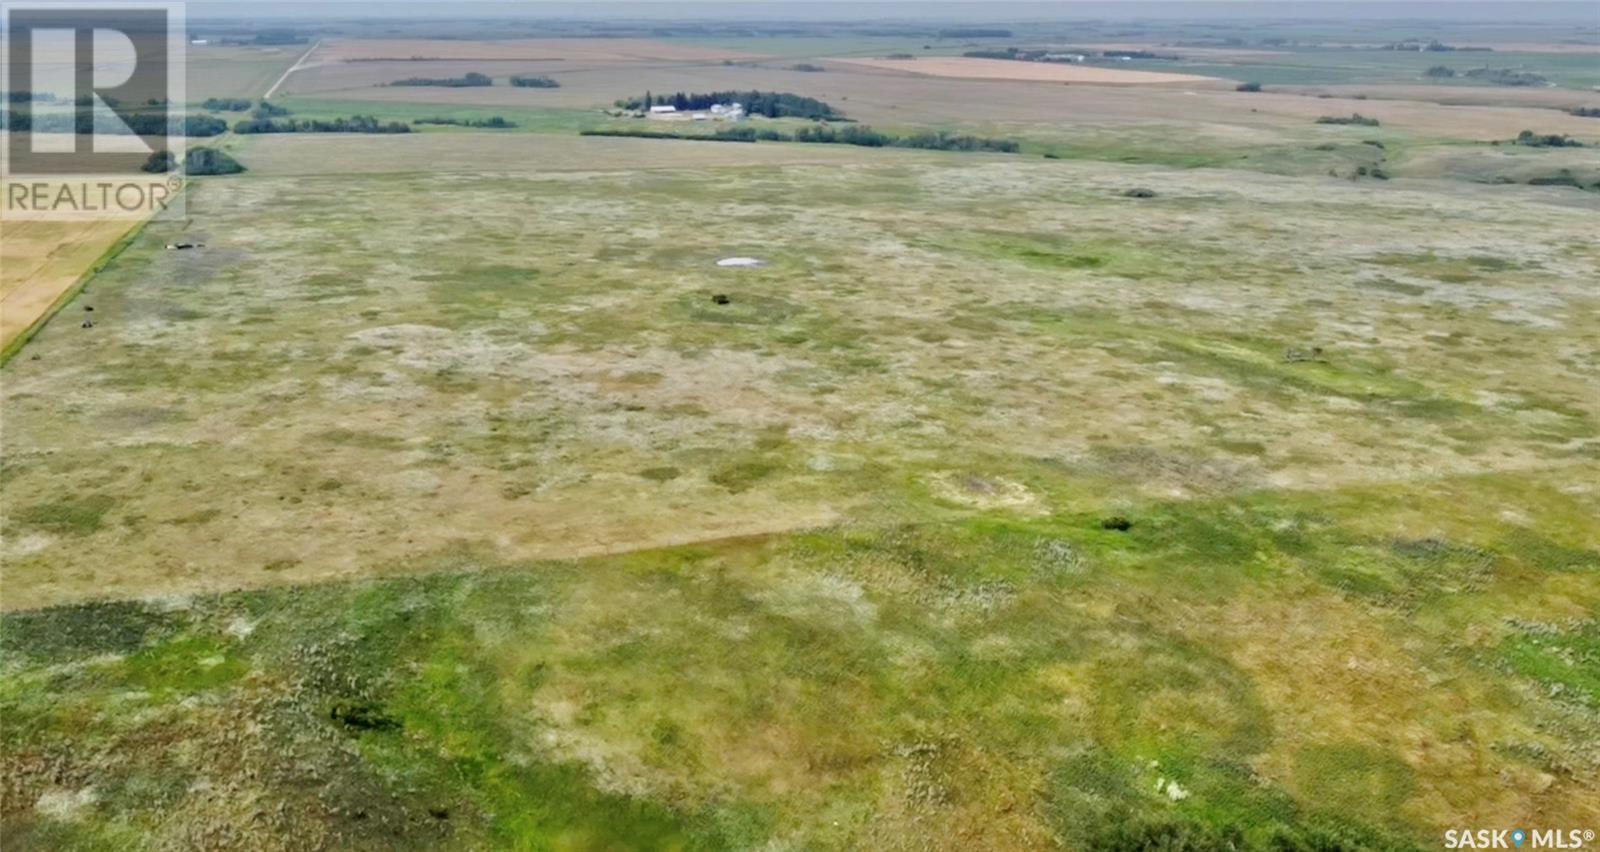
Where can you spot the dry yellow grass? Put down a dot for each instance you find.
(39, 261)
(1007, 69)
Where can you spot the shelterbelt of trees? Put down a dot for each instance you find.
(353, 124)
(139, 123)
(849, 135)
(471, 78)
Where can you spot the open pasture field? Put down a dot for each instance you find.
(463, 516)
(1200, 477)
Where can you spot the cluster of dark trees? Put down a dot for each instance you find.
(1561, 177)
(81, 100)
(353, 124)
(1248, 87)
(141, 123)
(806, 66)
(471, 78)
(268, 38)
(1443, 72)
(275, 37)
(1585, 112)
(769, 104)
(825, 135)
(1507, 77)
(264, 110)
(1136, 54)
(1546, 140)
(534, 82)
(493, 122)
(640, 133)
(1005, 53)
(1433, 46)
(933, 140)
(1353, 118)
(197, 161)
(193, 125)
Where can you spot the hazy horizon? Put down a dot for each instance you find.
(1513, 11)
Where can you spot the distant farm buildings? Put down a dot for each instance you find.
(717, 112)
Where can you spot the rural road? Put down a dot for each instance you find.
(293, 68)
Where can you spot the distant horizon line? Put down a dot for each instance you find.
(1511, 12)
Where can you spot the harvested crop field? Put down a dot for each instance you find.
(39, 263)
(569, 49)
(1005, 69)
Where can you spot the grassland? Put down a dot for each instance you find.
(42, 261)
(502, 533)
(435, 503)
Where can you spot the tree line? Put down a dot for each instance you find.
(265, 109)
(140, 123)
(493, 122)
(471, 78)
(196, 161)
(823, 135)
(353, 124)
(1353, 118)
(534, 82)
(1546, 140)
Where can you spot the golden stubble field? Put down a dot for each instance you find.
(40, 261)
